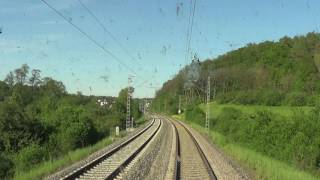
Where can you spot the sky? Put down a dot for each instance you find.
(152, 35)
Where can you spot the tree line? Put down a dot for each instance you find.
(285, 72)
(40, 120)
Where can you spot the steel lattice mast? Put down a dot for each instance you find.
(208, 107)
(129, 123)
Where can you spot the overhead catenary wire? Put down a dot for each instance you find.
(188, 32)
(191, 27)
(124, 49)
(92, 39)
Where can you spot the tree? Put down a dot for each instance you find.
(52, 87)
(10, 79)
(35, 79)
(4, 90)
(120, 106)
(21, 74)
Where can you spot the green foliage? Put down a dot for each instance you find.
(195, 114)
(40, 121)
(74, 129)
(288, 134)
(264, 167)
(28, 157)
(6, 167)
(297, 99)
(294, 139)
(285, 72)
(48, 166)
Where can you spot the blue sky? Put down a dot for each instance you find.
(153, 31)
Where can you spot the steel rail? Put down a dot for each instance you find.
(78, 172)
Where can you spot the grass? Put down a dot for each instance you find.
(48, 167)
(140, 121)
(263, 167)
(287, 111)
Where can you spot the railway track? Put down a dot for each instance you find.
(191, 161)
(113, 162)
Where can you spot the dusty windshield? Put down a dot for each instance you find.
(79, 75)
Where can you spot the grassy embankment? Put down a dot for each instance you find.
(287, 111)
(260, 166)
(49, 167)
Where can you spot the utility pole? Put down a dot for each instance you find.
(145, 107)
(129, 123)
(208, 107)
(165, 106)
(179, 111)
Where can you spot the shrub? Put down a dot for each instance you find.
(28, 157)
(226, 98)
(195, 114)
(227, 120)
(6, 167)
(272, 98)
(296, 99)
(292, 140)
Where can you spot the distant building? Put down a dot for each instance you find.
(103, 103)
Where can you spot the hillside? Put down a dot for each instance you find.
(254, 90)
(285, 72)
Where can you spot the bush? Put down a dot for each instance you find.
(294, 140)
(6, 167)
(28, 157)
(227, 120)
(195, 114)
(272, 98)
(296, 99)
(226, 98)
(248, 97)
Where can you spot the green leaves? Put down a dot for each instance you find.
(40, 121)
(268, 73)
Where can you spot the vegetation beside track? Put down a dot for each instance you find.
(258, 165)
(41, 122)
(47, 167)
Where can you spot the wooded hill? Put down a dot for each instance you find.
(285, 72)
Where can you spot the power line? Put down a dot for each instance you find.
(190, 27)
(124, 49)
(91, 39)
(108, 32)
(188, 31)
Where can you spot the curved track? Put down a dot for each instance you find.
(191, 161)
(111, 164)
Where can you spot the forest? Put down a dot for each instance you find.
(40, 121)
(282, 73)
(285, 72)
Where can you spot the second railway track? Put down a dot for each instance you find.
(111, 164)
